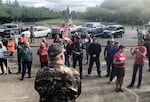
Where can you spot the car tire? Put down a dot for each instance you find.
(121, 34)
(49, 35)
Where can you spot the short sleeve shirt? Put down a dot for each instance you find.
(139, 59)
(119, 58)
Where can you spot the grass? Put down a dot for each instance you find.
(53, 21)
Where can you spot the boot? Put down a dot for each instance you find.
(99, 74)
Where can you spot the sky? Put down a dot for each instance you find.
(58, 5)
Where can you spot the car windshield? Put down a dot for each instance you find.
(2, 27)
(110, 28)
(88, 25)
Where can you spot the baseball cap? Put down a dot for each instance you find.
(54, 50)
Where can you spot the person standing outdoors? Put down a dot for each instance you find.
(43, 55)
(45, 42)
(77, 52)
(147, 45)
(119, 67)
(94, 51)
(5, 41)
(11, 46)
(2, 59)
(57, 82)
(140, 53)
(107, 56)
(25, 39)
(26, 57)
(31, 34)
(67, 51)
(114, 50)
(87, 42)
(20, 45)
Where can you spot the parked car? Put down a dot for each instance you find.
(59, 29)
(93, 28)
(39, 31)
(8, 29)
(11, 26)
(2, 28)
(81, 34)
(113, 30)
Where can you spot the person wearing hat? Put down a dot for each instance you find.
(119, 61)
(94, 51)
(77, 52)
(140, 52)
(57, 82)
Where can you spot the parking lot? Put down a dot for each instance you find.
(94, 89)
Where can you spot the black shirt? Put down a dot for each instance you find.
(94, 49)
(77, 46)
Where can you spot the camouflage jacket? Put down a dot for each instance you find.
(58, 83)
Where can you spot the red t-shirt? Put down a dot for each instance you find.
(43, 54)
(139, 59)
(119, 58)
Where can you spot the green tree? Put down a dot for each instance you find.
(16, 3)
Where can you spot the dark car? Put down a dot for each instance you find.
(113, 30)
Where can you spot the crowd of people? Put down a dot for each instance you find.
(114, 56)
(65, 50)
(24, 55)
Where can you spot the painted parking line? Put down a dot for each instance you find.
(133, 93)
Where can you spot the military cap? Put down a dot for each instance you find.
(54, 50)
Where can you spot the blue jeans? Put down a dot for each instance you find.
(135, 68)
(26, 65)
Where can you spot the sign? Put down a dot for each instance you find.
(6, 54)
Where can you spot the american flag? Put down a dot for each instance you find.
(67, 26)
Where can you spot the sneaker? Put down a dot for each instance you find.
(130, 86)
(107, 75)
(117, 90)
(120, 90)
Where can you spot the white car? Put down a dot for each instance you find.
(39, 31)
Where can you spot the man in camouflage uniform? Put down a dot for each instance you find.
(57, 82)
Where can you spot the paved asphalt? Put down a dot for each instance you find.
(94, 89)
